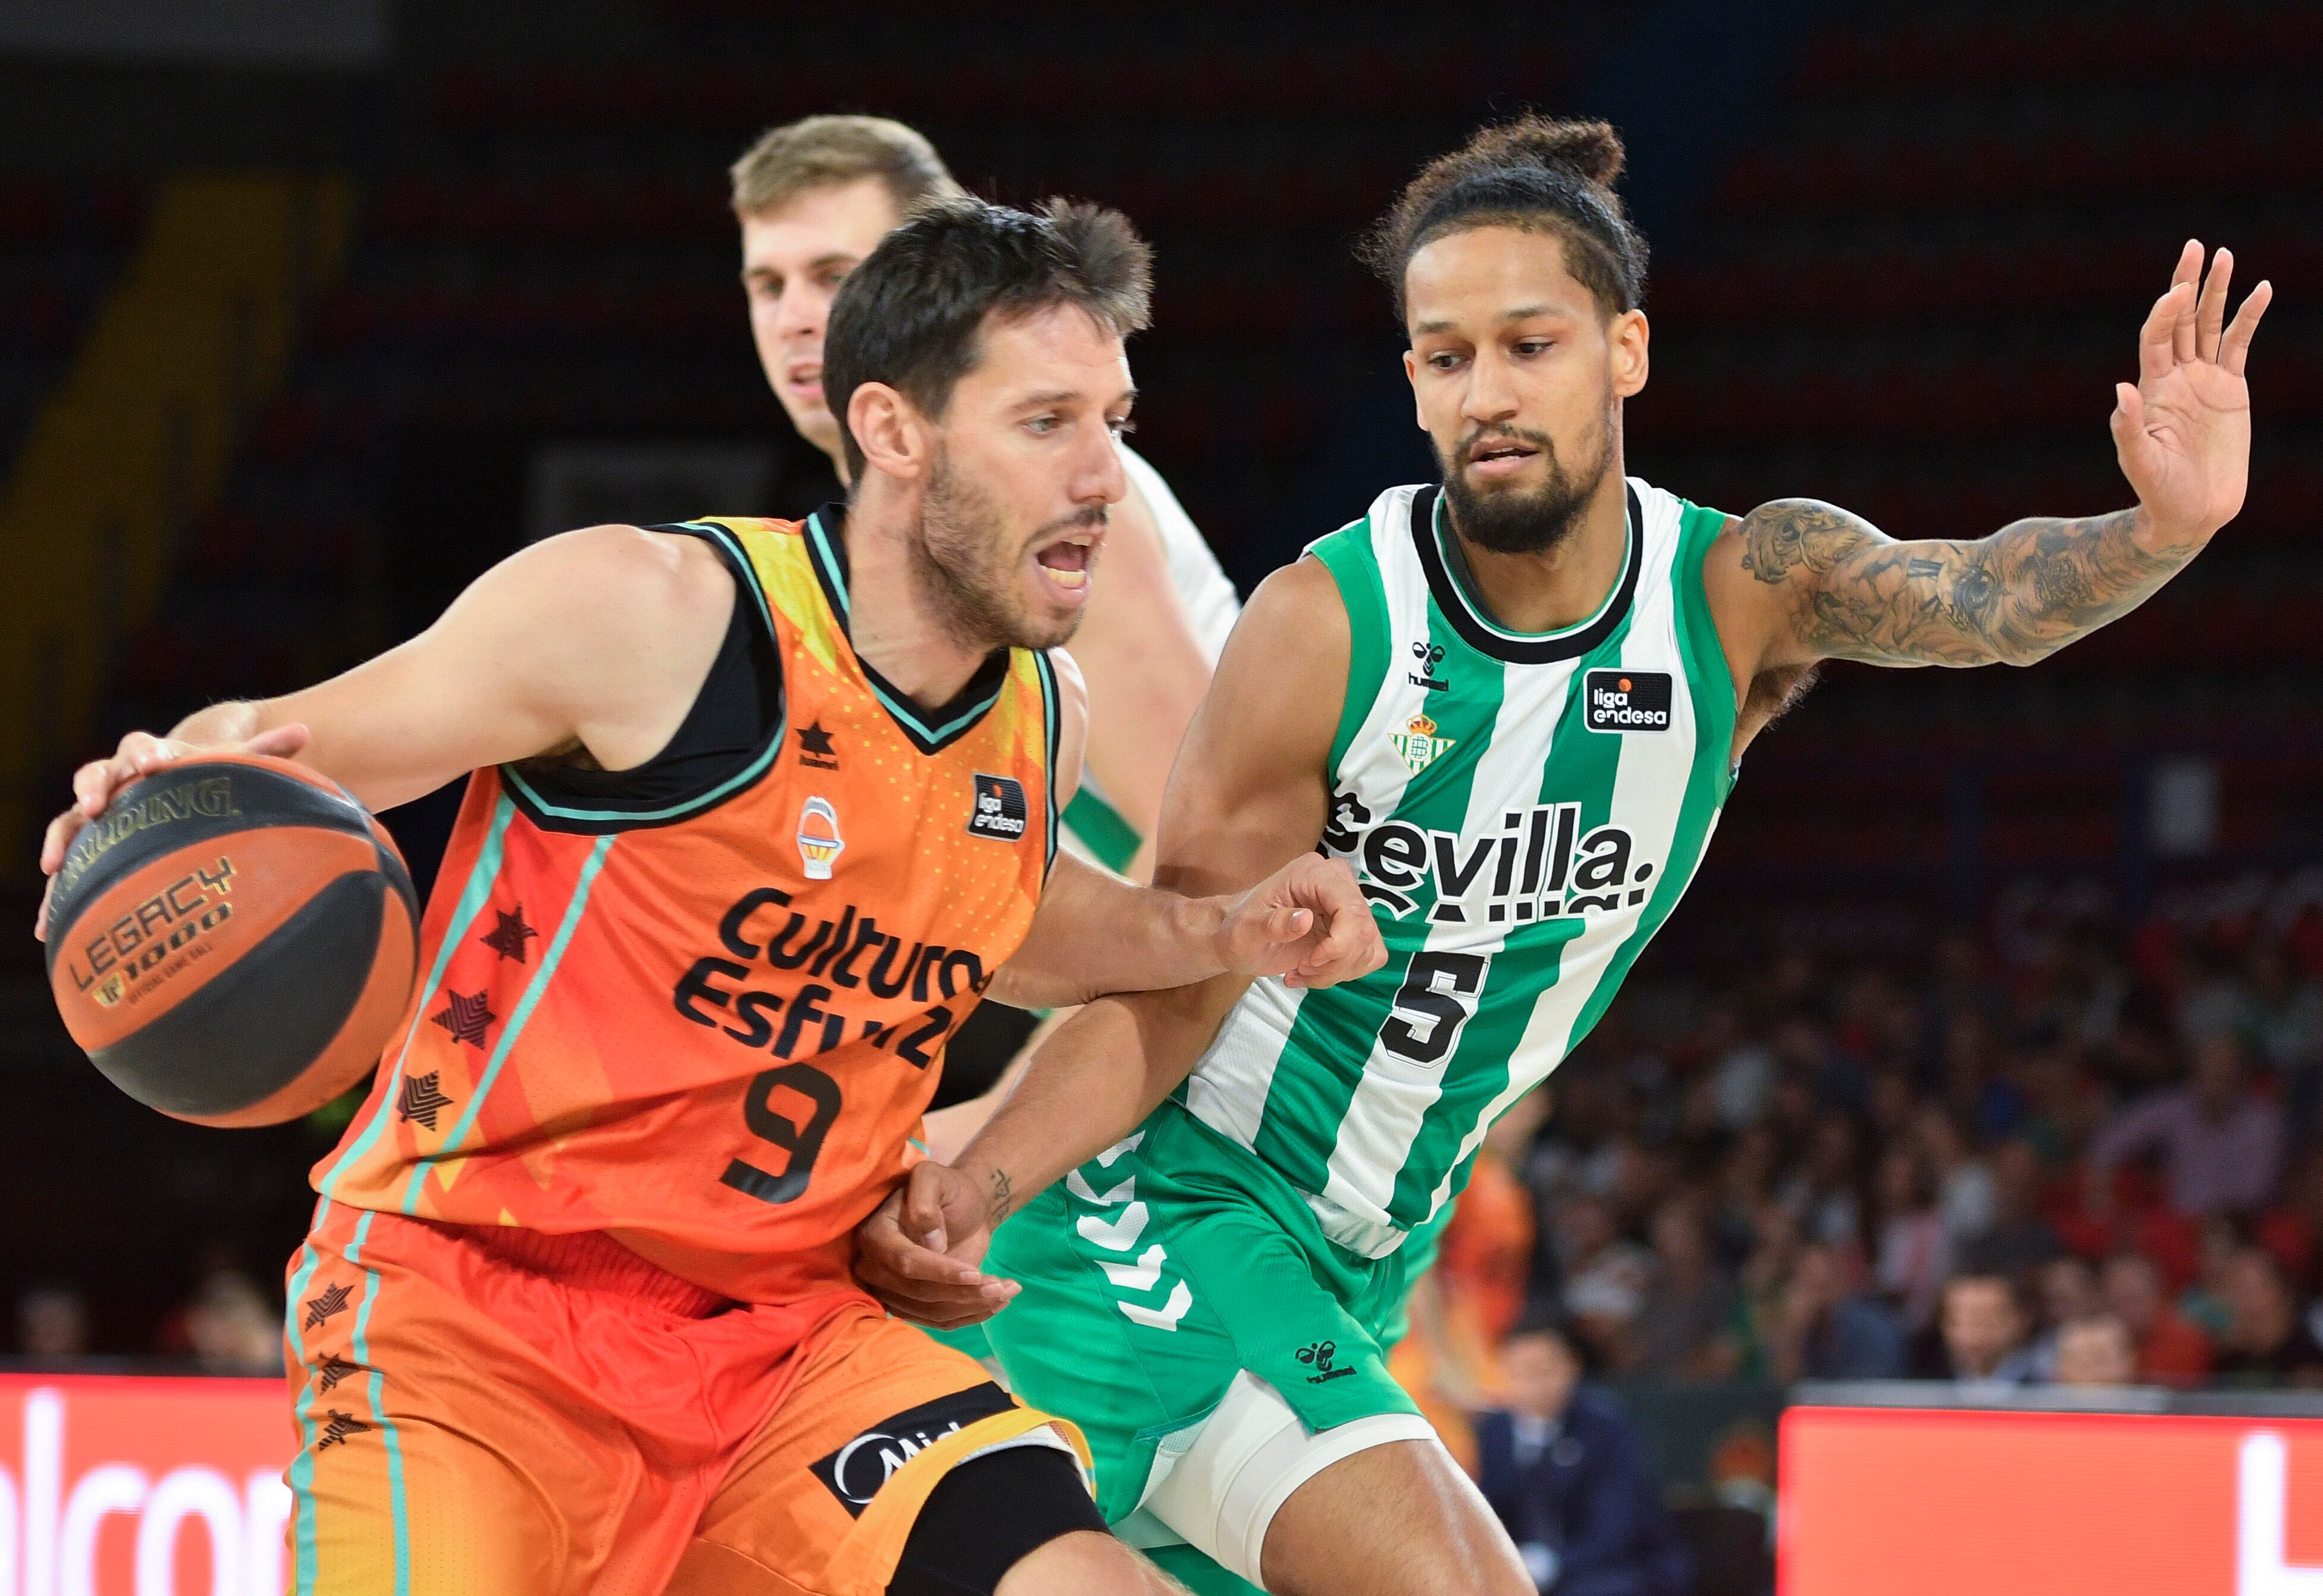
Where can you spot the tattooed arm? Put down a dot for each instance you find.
(1821, 583)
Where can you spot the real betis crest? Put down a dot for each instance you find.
(1417, 745)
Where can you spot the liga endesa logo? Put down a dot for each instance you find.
(1917, 1502)
(128, 1487)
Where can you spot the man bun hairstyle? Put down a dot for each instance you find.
(1537, 174)
(912, 316)
(823, 152)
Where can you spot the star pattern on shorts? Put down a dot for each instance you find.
(419, 1099)
(508, 937)
(339, 1427)
(466, 1015)
(319, 1308)
(332, 1370)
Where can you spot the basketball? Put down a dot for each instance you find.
(232, 940)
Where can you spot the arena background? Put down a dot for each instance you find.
(308, 313)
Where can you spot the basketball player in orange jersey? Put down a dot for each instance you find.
(759, 810)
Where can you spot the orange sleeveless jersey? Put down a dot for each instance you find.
(709, 1032)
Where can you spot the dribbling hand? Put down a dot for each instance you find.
(140, 753)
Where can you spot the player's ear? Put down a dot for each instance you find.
(890, 430)
(1629, 336)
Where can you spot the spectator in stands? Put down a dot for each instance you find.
(1984, 1331)
(1567, 1475)
(2207, 1300)
(52, 1323)
(1688, 1302)
(2221, 1142)
(234, 1329)
(2170, 1349)
(2068, 1294)
(1914, 1253)
(2286, 1021)
(1605, 1276)
(2095, 1351)
(1828, 1331)
(1827, 1191)
(2267, 1341)
(2021, 1239)
(1966, 1201)
(1741, 1069)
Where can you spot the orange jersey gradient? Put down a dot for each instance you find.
(710, 1031)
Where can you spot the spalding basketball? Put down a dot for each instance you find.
(233, 939)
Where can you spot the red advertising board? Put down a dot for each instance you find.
(143, 1487)
(1903, 1501)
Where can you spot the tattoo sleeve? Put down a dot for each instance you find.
(2014, 597)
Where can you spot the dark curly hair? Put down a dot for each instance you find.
(1537, 174)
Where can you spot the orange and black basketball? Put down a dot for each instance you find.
(233, 939)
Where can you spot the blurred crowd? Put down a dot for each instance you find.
(2097, 1166)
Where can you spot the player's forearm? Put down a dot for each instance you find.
(2012, 597)
(1092, 1083)
(232, 722)
(1095, 934)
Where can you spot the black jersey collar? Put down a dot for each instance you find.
(1516, 649)
(930, 731)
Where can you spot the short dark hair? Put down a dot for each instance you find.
(1536, 174)
(912, 315)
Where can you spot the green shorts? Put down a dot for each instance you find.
(1157, 1273)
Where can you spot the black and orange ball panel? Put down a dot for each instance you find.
(234, 941)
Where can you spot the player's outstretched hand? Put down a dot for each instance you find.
(1307, 922)
(2182, 430)
(140, 753)
(918, 1251)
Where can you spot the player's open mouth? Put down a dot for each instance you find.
(1499, 459)
(1067, 561)
(804, 378)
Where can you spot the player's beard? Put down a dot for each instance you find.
(968, 567)
(1529, 521)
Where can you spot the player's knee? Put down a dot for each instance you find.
(1083, 1562)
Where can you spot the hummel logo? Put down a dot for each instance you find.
(420, 1099)
(508, 937)
(815, 747)
(466, 1015)
(341, 1426)
(331, 1301)
(1319, 1355)
(332, 1370)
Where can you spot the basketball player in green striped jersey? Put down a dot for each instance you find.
(1515, 706)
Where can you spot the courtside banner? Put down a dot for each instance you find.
(121, 1486)
(1906, 1501)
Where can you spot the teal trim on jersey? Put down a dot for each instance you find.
(834, 570)
(1052, 723)
(474, 895)
(516, 1023)
(1579, 767)
(1707, 674)
(1099, 827)
(398, 1510)
(740, 778)
(938, 736)
(1456, 567)
(301, 1474)
(746, 579)
(1340, 1033)
(1347, 555)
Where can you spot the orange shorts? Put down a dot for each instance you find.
(486, 1412)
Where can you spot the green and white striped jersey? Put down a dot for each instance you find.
(1094, 830)
(1523, 812)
